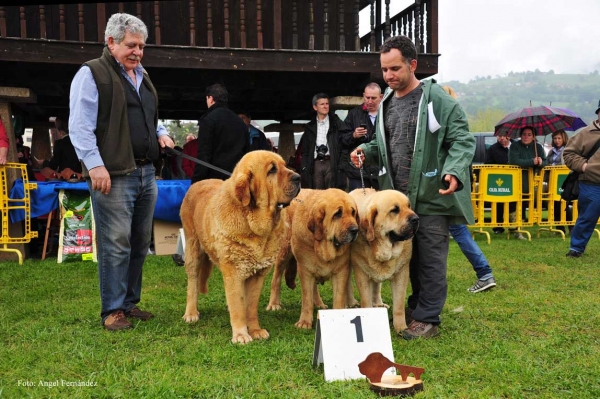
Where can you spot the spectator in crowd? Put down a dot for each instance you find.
(223, 138)
(320, 149)
(64, 161)
(559, 141)
(189, 138)
(527, 153)
(115, 131)
(190, 148)
(423, 144)
(258, 140)
(588, 204)
(3, 144)
(361, 128)
(497, 154)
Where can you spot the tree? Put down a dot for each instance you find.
(485, 120)
(178, 129)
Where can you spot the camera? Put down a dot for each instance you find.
(321, 152)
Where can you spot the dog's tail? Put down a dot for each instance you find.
(290, 273)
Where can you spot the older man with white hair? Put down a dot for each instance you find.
(116, 134)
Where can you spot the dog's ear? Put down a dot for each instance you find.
(315, 223)
(367, 223)
(242, 187)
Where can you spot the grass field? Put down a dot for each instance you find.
(534, 336)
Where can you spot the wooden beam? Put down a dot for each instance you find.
(17, 50)
(17, 95)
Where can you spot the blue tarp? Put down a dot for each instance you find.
(45, 198)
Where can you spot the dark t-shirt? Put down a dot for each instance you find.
(401, 117)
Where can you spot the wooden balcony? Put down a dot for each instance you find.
(273, 55)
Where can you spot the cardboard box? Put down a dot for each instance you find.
(165, 237)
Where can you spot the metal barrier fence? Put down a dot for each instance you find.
(512, 197)
(7, 204)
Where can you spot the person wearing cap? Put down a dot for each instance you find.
(588, 203)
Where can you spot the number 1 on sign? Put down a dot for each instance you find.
(342, 340)
(358, 326)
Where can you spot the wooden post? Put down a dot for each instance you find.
(242, 24)
(42, 22)
(356, 26)
(61, 19)
(157, 40)
(342, 32)
(294, 25)
(277, 24)
(2, 22)
(259, 35)
(81, 25)
(209, 31)
(432, 27)
(23, 22)
(326, 25)
(192, 24)
(101, 21)
(311, 26)
(226, 23)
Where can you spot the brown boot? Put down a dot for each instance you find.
(117, 321)
(137, 313)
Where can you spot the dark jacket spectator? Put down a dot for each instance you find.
(223, 138)
(309, 140)
(357, 116)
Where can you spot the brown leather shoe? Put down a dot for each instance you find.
(117, 321)
(137, 313)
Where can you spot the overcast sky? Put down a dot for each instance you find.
(495, 37)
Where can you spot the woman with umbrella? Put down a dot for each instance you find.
(527, 153)
(559, 141)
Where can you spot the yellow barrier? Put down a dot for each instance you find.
(559, 214)
(500, 186)
(7, 204)
(514, 188)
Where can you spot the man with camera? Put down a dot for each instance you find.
(320, 167)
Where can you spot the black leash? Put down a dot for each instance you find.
(172, 151)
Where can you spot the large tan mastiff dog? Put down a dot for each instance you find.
(236, 225)
(383, 248)
(323, 224)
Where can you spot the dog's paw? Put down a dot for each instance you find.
(304, 324)
(260, 333)
(353, 304)
(321, 306)
(381, 305)
(191, 318)
(241, 338)
(274, 306)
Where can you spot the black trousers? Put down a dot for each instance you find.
(428, 268)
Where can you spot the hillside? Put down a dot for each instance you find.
(485, 99)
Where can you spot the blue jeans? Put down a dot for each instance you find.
(123, 221)
(589, 212)
(471, 250)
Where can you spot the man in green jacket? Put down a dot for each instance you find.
(423, 148)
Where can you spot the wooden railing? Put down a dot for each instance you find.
(262, 24)
(419, 22)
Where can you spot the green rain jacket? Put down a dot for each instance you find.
(443, 145)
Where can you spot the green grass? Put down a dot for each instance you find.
(533, 336)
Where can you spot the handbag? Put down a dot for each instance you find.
(570, 186)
